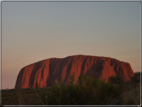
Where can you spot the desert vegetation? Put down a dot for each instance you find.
(87, 91)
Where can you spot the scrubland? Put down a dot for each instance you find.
(87, 91)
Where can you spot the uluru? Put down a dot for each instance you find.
(46, 71)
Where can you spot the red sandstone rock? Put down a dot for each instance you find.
(49, 70)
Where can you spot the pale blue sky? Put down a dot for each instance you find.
(33, 31)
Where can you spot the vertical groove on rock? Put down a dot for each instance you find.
(34, 71)
(46, 71)
(83, 65)
(68, 70)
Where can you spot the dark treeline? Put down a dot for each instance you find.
(87, 91)
(93, 91)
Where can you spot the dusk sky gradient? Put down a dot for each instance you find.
(34, 31)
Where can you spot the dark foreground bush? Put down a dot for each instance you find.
(136, 78)
(87, 91)
(132, 97)
(116, 80)
(131, 90)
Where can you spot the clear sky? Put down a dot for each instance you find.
(34, 31)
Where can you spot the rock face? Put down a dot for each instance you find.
(49, 70)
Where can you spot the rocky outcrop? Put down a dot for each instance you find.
(49, 70)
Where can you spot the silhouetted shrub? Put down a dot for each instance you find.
(116, 80)
(132, 97)
(87, 91)
(136, 77)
